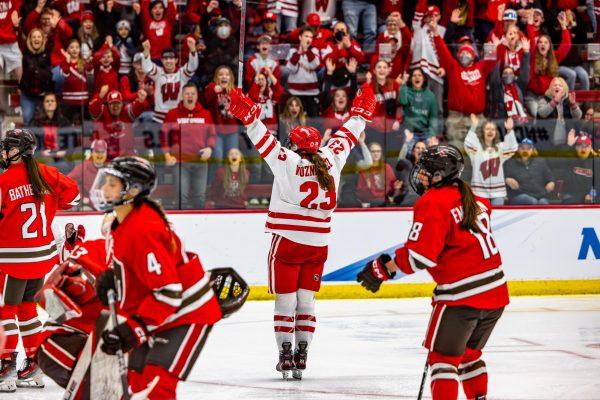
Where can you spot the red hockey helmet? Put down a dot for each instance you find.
(305, 139)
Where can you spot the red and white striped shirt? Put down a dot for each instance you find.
(303, 80)
(283, 7)
(300, 209)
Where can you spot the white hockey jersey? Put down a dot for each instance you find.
(424, 54)
(488, 172)
(300, 209)
(167, 92)
(302, 78)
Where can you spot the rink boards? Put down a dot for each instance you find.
(544, 250)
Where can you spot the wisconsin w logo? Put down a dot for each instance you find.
(170, 91)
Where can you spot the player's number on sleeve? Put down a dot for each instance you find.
(415, 231)
(312, 188)
(153, 264)
(485, 238)
(31, 208)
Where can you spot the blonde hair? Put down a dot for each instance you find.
(29, 40)
(231, 83)
(564, 85)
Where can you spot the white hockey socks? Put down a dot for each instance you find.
(285, 308)
(306, 321)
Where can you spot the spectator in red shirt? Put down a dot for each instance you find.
(158, 24)
(136, 80)
(261, 62)
(199, 9)
(341, 47)
(321, 34)
(187, 140)
(229, 187)
(75, 87)
(535, 20)
(544, 67)
(85, 172)
(114, 120)
(266, 91)
(510, 50)
(378, 185)
(48, 122)
(71, 10)
(466, 86)
(217, 100)
(106, 67)
(10, 54)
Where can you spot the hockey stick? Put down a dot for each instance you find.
(242, 44)
(423, 379)
(120, 356)
(78, 374)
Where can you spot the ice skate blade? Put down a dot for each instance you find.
(8, 387)
(297, 374)
(286, 375)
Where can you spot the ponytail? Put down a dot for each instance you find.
(38, 185)
(470, 207)
(325, 180)
(156, 206)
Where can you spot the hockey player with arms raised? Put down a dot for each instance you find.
(451, 238)
(302, 201)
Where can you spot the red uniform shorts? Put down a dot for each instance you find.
(294, 266)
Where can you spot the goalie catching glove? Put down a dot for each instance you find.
(243, 108)
(375, 273)
(125, 336)
(230, 289)
(364, 103)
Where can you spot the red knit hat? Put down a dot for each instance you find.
(87, 15)
(467, 48)
(114, 96)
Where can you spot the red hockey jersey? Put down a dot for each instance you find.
(464, 264)
(157, 280)
(27, 245)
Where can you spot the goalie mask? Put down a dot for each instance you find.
(230, 289)
(442, 163)
(123, 181)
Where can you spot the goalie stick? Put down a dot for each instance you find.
(120, 356)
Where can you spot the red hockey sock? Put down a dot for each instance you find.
(30, 327)
(136, 381)
(8, 314)
(166, 388)
(444, 376)
(472, 373)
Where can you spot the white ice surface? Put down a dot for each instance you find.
(542, 348)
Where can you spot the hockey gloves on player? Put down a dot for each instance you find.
(243, 108)
(104, 283)
(125, 336)
(231, 290)
(73, 237)
(375, 273)
(364, 104)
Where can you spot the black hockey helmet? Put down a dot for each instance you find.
(444, 161)
(134, 172)
(21, 139)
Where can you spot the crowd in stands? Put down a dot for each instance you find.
(500, 79)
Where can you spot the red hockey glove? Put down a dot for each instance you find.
(243, 108)
(125, 336)
(375, 273)
(364, 104)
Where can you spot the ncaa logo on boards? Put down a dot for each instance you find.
(589, 241)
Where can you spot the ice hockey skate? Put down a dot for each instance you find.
(286, 360)
(8, 374)
(300, 360)
(30, 375)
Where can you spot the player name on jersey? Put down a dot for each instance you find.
(309, 170)
(20, 191)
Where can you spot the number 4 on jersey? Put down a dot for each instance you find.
(153, 264)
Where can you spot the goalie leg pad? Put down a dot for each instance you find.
(58, 354)
(166, 387)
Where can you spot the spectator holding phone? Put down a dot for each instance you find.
(187, 140)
